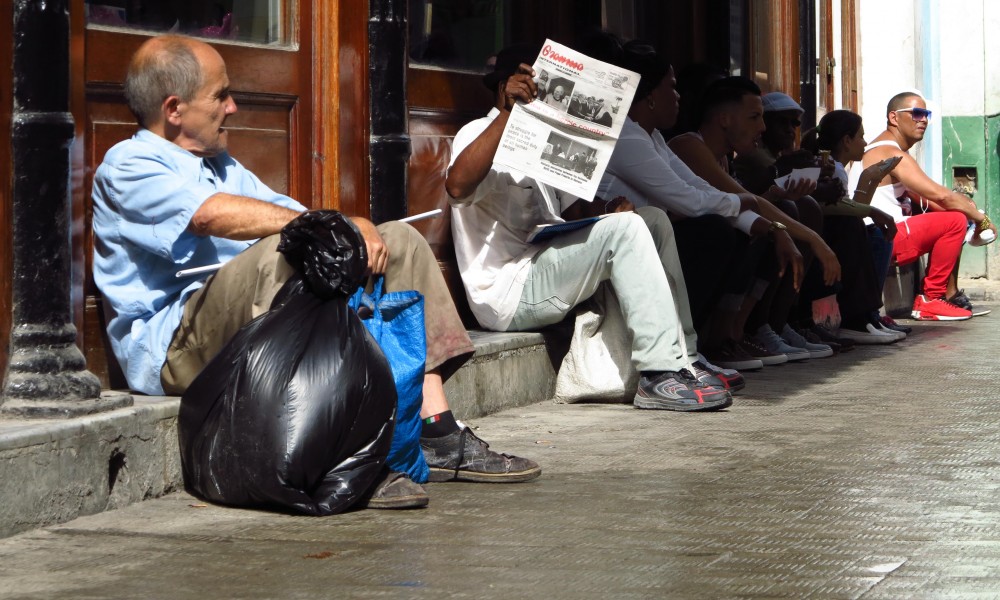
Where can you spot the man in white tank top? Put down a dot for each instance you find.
(939, 232)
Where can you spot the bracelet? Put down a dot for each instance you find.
(984, 224)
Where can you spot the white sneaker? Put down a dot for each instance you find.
(772, 342)
(795, 339)
(869, 336)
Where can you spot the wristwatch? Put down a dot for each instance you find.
(776, 226)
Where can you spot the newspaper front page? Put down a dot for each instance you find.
(566, 135)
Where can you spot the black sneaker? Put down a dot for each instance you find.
(679, 390)
(463, 456)
(812, 337)
(826, 336)
(730, 355)
(891, 323)
(961, 300)
(396, 490)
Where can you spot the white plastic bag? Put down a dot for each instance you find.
(598, 366)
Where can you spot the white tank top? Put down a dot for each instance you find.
(885, 197)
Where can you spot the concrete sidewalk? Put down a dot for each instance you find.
(871, 474)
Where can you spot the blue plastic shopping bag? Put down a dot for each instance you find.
(396, 321)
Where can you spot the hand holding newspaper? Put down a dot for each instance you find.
(806, 174)
(565, 137)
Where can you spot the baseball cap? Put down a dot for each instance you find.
(778, 102)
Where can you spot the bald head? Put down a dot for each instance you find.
(163, 66)
(899, 101)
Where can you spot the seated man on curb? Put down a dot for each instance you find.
(940, 232)
(644, 169)
(732, 122)
(171, 198)
(516, 286)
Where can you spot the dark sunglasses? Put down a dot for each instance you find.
(918, 114)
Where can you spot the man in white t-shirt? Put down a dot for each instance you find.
(513, 285)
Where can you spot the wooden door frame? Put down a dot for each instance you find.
(826, 59)
(781, 34)
(340, 97)
(850, 32)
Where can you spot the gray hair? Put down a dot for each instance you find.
(170, 69)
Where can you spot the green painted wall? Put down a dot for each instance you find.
(964, 144)
(991, 183)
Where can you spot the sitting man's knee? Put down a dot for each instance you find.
(810, 213)
(401, 237)
(957, 221)
(657, 221)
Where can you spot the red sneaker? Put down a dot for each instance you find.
(938, 309)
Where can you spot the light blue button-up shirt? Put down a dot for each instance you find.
(145, 193)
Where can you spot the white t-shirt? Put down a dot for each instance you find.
(885, 197)
(489, 230)
(647, 172)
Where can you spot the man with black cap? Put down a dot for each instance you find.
(513, 285)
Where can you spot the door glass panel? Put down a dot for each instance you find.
(737, 28)
(455, 34)
(255, 21)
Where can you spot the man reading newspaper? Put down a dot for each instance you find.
(514, 285)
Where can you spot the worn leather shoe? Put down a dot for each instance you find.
(463, 456)
(396, 490)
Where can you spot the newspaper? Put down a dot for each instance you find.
(566, 135)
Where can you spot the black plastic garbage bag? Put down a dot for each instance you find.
(296, 412)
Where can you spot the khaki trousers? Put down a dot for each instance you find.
(244, 288)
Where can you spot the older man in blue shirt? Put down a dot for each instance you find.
(171, 198)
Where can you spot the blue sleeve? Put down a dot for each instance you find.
(155, 202)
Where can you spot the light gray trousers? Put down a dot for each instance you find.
(637, 254)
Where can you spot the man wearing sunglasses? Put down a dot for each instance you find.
(940, 231)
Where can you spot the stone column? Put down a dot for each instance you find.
(389, 143)
(47, 375)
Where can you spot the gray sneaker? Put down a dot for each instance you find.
(396, 490)
(794, 338)
(463, 456)
(772, 342)
(680, 391)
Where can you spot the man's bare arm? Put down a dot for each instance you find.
(909, 173)
(697, 156)
(475, 162)
(239, 217)
(242, 218)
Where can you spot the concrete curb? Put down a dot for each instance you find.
(54, 471)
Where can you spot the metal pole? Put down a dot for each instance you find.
(47, 375)
(389, 143)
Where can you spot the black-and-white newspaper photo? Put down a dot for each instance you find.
(566, 135)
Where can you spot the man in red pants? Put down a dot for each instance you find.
(939, 232)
